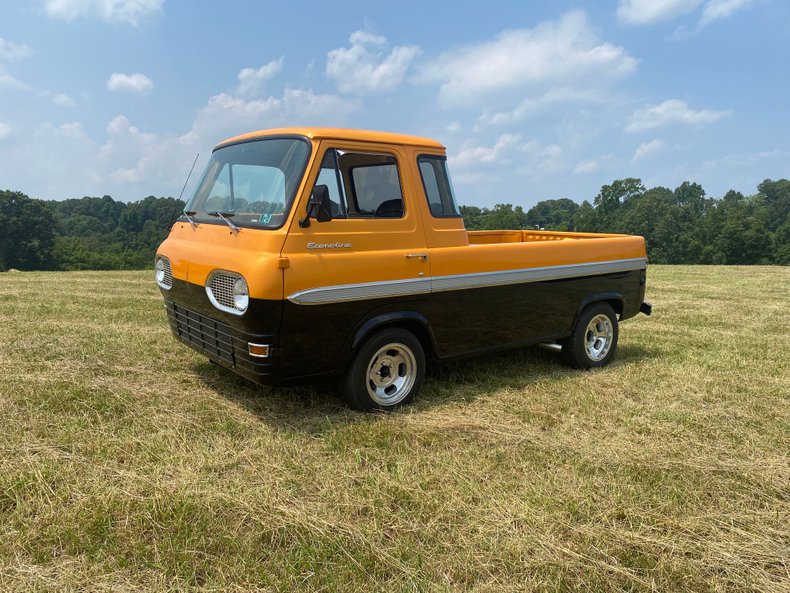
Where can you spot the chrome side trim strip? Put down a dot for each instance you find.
(359, 292)
(393, 288)
(485, 279)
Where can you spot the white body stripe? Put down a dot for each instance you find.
(394, 288)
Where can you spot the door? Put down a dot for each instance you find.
(371, 257)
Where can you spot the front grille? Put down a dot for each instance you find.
(221, 287)
(219, 341)
(168, 280)
(203, 333)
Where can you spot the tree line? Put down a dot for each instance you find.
(87, 233)
(681, 226)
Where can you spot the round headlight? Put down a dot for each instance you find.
(241, 294)
(160, 270)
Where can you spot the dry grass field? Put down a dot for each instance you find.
(129, 463)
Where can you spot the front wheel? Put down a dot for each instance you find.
(594, 338)
(386, 373)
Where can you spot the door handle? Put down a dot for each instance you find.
(422, 256)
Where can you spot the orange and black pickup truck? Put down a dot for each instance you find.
(319, 252)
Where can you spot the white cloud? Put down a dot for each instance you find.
(531, 157)
(226, 115)
(10, 51)
(720, 9)
(251, 79)
(62, 100)
(642, 12)
(747, 159)
(555, 52)
(5, 131)
(132, 83)
(671, 111)
(72, 130)
(472, 155)
(647, 148)
(9, 82)
(51, 162)
(453, 127)
(126, 145)
(530, 107)
(541, 158)
(112, 11)
(583, 167)
(143, 162)
(365, 67)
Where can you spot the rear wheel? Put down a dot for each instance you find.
(386, 373)
(594, 338)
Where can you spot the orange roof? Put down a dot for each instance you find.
(339, 134)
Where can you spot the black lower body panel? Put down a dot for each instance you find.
(313, 340)
(221, 343)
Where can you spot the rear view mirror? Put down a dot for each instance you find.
(319, 206)
(323, 208)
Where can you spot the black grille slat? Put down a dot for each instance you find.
(218, 340)
(202, 333)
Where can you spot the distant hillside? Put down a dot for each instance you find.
(681, 226)
(82, 234)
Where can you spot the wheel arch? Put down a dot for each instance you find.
(412, 321)
(613, 299)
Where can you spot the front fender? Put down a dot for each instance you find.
(409, 319)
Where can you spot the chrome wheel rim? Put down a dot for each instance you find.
(598, 337)
(391, 374)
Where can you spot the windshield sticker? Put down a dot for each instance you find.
(265, 218)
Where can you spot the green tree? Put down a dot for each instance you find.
(27, 232)
(553, 214)
(611, 197)
(776, 197)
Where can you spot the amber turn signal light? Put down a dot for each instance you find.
(259, 350)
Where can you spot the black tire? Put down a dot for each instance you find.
(398, 372)
(586, 350)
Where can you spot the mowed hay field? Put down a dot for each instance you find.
(129, 463)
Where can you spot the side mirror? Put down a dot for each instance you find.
(319, 206)
(320, 197)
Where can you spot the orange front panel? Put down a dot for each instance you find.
(194, 252)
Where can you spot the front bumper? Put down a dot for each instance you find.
(225, 345)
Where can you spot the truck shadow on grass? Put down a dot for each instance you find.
(315, 408)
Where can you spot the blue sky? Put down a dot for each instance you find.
(532, 100)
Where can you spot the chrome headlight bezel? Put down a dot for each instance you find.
(228, 291)
(241, 294)
(163, 273)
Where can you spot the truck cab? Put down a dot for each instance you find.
(327, 252)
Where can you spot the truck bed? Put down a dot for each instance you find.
(527, 236)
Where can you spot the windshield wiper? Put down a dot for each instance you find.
(225, 216)
(189, 214)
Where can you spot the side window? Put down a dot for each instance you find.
(361, 185)
(329, 175)
(374, 184)
(438, 189)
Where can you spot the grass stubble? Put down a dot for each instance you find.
(129, 463)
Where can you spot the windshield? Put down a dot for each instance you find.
(252, 183)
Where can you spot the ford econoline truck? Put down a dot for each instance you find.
(319, 252)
